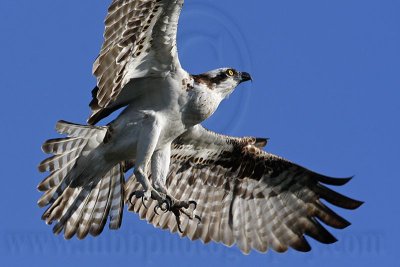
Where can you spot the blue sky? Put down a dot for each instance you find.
(326, 91)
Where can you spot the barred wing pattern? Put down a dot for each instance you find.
(139, 41)
(245, 195)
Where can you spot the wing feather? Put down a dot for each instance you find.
(139, 42)
(246, 195)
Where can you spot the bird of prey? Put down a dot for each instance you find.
(187, 179)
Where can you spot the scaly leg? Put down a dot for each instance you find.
(147, 142)
(159, 169)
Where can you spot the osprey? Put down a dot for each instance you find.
(187, 179)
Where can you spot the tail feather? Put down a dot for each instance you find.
(110, 204)
(59, 146)
(101, 208)
(50, 196)
(76, 211)
(70, 196)
(56, 176)
(57, 161)
(117, 203)
(90, 207)
(84, 207)
(59, 207)
(77, 130)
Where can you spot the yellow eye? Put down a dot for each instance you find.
(230, 72)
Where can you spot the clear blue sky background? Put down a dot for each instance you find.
(326, 91)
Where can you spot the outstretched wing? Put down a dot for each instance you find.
(245, 195)
(139, 41)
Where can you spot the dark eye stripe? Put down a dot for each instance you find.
(221, 77)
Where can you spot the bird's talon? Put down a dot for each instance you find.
(130, 198)
(137, 194)
(143, 199)
(198, 218)
(155, 210)
(169, 204)
(165, 206)
(179, 228)
(194, 203)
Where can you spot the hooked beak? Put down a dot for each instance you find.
(244, 76)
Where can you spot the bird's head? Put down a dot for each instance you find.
(223, 80)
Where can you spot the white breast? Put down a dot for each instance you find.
(202, 103)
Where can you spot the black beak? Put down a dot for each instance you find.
(244, 76)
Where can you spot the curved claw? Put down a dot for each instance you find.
(168, 204)
(155, 209)
(194, 203)
(143, 199)
(137, 194)
(198, 218)
(161, 208)
(130, 198)
(177, 214)
(179, 227)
